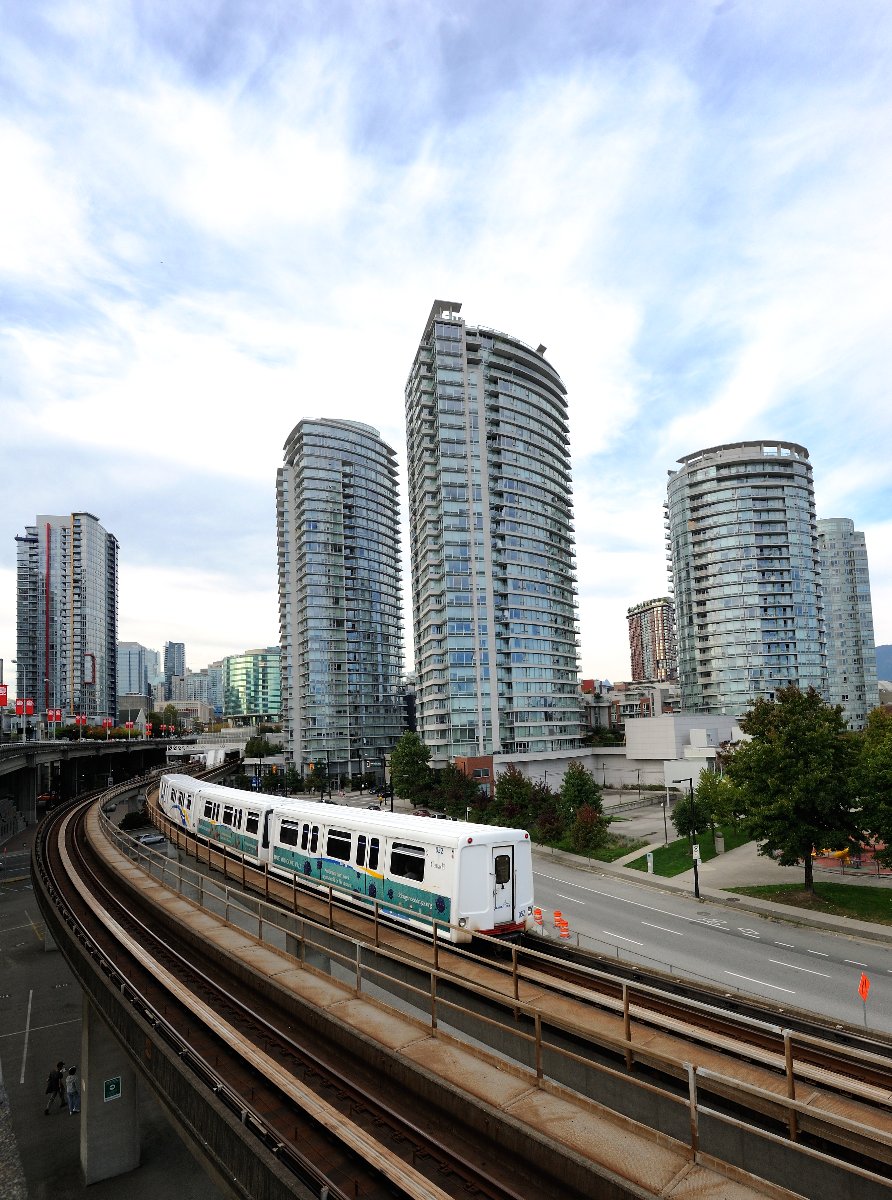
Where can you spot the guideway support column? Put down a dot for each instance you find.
(109, 1115)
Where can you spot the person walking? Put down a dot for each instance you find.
(73, 1091)
(55, 1087)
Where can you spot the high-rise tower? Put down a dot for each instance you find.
(652, 640)
(67, 625)
(340, 623)
(848, 616)
(742, 545)
(493, 574)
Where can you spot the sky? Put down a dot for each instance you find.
(217, 219)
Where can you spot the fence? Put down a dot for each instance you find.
(556, 1050)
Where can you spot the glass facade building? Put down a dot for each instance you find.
(174, 664)
(133, 678)
(252, 685)
(67, 616)
(493, 580)
(848, 616)
(652, 640)
(340, 622)
(742, 545)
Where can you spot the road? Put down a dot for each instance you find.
(807, 969)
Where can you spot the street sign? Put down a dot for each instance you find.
(111, 1089)
(863, 987)
(697, 853)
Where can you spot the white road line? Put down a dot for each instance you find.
(570, 898)
(675, 931)
(793, 967)
(819, 953)
(610, 896)
(37, 1028)
(854, 964)
(761, 982)
(786, 945)
(27, 1035)
(621, 938)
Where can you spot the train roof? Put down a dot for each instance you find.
(450, 833)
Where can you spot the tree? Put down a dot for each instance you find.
(409, 772)
(293, 781)
(317, 778)
(796, 777)
(455, 792)
(681, 814)
(259, 747)
(578, 789)
(514, 795)
(874, 780)
(589, 830)
(170, 716)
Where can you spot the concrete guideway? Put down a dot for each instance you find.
(648, 1049)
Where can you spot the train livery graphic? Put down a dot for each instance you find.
(478, 877)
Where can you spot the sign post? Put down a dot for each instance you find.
(863, 989)
(111, 1089)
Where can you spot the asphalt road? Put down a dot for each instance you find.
(807, 969)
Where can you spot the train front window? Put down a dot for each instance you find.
(227, 814)
(407, 862)
(373, 854)
(339, 844)
(252, 823)
(314, 840)
(360, 850)
(305, 837)
(288, 834)
(503, 868)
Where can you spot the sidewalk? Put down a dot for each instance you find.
(721, 876)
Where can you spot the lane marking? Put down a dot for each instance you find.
(570, 898)
(675, 931)
(761, 983)
(819, 953)
(33, 926)
(621, 938)
(854, 964)
(793, 967)
(610, 896)
(786, 945)
(27, 1035)
(37, 1028)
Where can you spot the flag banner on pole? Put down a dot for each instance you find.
(863, 987)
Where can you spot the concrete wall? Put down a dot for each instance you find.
(611, 765)
(665, 737)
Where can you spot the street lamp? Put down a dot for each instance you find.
(694, 847)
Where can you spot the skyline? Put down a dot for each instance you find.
(686, 203)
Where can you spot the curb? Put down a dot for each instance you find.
(847, 926)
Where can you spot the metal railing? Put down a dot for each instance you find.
(226, 902)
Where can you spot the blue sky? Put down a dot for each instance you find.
(219, 218)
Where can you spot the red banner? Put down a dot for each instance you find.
(4, 691)
(19, 707)
(128, 725)
(29, 708)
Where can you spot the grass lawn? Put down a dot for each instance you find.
(840, 899)
(676, 857)
(613, 850)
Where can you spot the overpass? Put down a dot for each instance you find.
(302, 1048)
(66, 768)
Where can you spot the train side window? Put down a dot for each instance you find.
(373, 854)
(238, 818)
(339, 844)
(407, 862)
(227, 814)
(216, 812)
(360, 850)
(208, 809)
(289, 833)
(305, 837)
(252, 824)
(314, 840)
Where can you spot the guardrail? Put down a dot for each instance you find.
(226, 902)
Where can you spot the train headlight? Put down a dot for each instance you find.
(462, 922)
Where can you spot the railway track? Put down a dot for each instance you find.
(340, 1137)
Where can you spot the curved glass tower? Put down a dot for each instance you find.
(493, 574)
(851, 653)
(339, 597)
(742, 545)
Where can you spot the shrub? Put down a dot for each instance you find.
(588, 831)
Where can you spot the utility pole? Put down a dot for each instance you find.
(694, 846)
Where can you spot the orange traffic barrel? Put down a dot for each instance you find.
(565, 930)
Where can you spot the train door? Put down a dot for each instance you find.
(503, 896)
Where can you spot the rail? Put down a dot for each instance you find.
(202, 891)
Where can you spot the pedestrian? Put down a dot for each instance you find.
(55, 1087)
(73, 1091)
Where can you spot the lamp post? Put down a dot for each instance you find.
(690, 783)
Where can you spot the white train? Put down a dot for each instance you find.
(478, 877)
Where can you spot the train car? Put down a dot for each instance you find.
(479, 877)
(224, 815)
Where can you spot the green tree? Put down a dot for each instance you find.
(796, 777)
(259, 747)
(589, 830)
(514, 796)
(170, 716)
(681, 814)
(409, 772)
(454, 792)
(293, 781)
(578, 789)
(317, 780)
(874, 780)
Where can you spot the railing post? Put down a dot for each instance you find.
(791, 1081)
(294, 893)
(200, 890)
(436, 949)
(627, 1027)
(243, 872)
(433, 1000)
(330, 921)
(303, 942)
(358, 971)
(266, 881)
(539, 1047)
(692, 1098)
(376, 924)
(225, 857)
